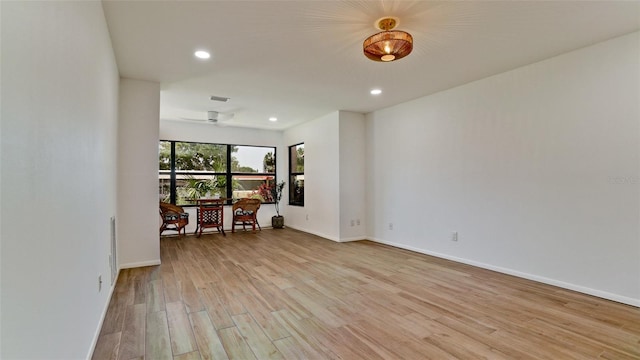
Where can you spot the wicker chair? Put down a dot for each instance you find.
(245, 212)
(173, 218)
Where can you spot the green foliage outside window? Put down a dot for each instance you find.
(296, 174)
(200, 188)
(201, 170)
(299, 159)
(269, 163)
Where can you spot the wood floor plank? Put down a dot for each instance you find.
(268, 294)
(196, 275)
(182, 340)
(291, 349)
(139, 286)
(306, 339)
(194, 355)
(158, 342)
(615, 355)
(122, 297)
(379, 348)
(170, 285)
(394, 341)
(540, 345)
(288, 294)
(267, 274)
(578, 343)
(114, 317)
(227, 298)
(206, 336)
(133, 333)
(292, 305)
(235, 344)
(510, 345)
(317, 309)
(190, 296)
(107, 347)
(263, 316)
(331, 338)
(258, 341)
(155, 296)
(219, 316)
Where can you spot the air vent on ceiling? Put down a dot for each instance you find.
(219, 98)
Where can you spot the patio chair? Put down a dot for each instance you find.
(173, 218)
(245, 212)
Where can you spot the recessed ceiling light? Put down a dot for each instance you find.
(273, 118)
(376, 92)
(200, 54)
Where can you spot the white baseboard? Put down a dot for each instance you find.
(140, 264)
(332, 238)
(94, 342)
(541, 279)
(350, 239)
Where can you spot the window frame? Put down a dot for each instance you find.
(292, 174)
(174, 173)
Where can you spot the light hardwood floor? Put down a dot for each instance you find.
(284, 294)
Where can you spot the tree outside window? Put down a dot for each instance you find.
(190, 171)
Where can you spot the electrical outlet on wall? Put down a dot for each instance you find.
(353, 223)
(390, 226)
(358, 222)
(454, 236)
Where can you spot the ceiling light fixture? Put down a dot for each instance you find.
(200, 54)
(273, 118)
(388, 45)
(376, 92)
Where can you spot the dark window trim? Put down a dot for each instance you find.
(172, 180)
(228, 174)
(291, 174)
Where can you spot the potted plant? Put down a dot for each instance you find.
(276, 194)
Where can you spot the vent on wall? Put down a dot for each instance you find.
(113, 262)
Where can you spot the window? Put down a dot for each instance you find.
(296, 174)
(253, 172)
(189, 171)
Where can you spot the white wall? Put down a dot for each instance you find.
(58, 166)
(205, 132)
(137, 223)
(352, 176)
(321, 177)
(536, 168)
(209, 133)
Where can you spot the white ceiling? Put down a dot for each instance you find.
(299, 60)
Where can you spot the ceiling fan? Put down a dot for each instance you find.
(214, 117)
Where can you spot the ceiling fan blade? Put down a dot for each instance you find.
(213, 117)
(225, 116)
